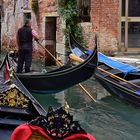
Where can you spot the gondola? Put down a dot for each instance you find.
(56, 125)
(61, 78)
(119, 79)
(17, 105)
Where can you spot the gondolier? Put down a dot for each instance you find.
(24, 38)
(69, 75)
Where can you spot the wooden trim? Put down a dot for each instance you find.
(50, 42)
(27, 11)
(127, 20)
(123, 19)
(120, 25)
(130, 19)
(53, 14)
(133, 19)
(126, 25)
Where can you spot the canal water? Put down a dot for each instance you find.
(108, 118)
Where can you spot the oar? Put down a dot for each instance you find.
(119, 78)
(87, 92)
(76, 58)
(61, 64)
(50, 54)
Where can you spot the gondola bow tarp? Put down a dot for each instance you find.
(125, 68)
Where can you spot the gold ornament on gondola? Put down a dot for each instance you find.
(12, 103)
(13, 97)
(11, 73)
(66, 107)
(12, 94)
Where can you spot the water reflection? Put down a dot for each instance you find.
(109, 118)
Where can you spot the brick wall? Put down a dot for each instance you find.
(105, 20)
(45, 7)
(49, 8)
(89, 35)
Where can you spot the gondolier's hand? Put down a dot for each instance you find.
(35, 34)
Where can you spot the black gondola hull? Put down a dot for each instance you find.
(61, 78)
(55, 83)
(17, 105)
(124, 86)
(118, 90)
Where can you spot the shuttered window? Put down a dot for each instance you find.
(84, 7)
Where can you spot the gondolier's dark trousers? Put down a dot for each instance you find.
(24, 56)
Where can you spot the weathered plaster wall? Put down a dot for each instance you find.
(12, 20)
(89, 35)
(104, 22)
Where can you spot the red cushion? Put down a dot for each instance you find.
(24, 131)
(87, 136)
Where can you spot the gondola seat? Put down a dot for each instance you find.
(56, 125)
(27, 132)
(37, 136)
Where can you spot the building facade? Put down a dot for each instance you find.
(116, 23)
(45, 20)
(105, 20)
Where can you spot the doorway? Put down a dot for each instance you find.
(50, 39)
(130, 25)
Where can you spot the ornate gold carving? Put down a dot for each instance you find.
(13, 97)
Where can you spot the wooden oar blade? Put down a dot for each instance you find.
(73, 57)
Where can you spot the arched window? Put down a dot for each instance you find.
(84, 7)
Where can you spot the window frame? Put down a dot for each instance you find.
(85, 7)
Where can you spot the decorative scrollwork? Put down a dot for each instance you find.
(13, 97)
